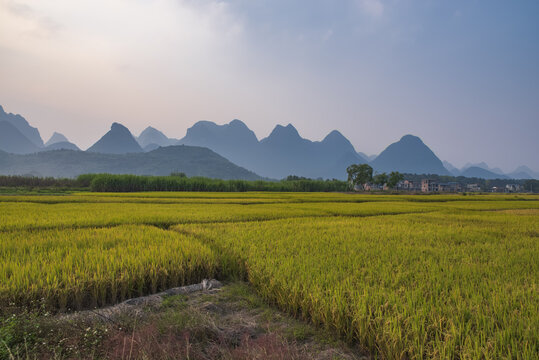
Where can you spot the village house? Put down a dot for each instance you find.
(374, 187)
(512, 188)
(449, 187)
(428, 185)
(473, 188)
(408, 185)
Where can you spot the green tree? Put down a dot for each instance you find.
(380, 179)
(532, 185)
(394, 179)
(359, 174)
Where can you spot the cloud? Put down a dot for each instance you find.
(327, 35)
(117, 60)
(373, 8)
(20, 17)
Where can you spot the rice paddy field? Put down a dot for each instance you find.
(403, 276)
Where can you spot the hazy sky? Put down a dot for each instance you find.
(462, 75)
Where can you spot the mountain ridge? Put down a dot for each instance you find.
(283, 152)
(191, 160)
(479, 172)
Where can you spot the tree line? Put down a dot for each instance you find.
(41, 182)
(362, 175)
(358, 175)
(130, 183)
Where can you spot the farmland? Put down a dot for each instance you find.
(407, 276)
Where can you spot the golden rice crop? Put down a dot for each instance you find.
(431, 285)
(437, 276)
(78, 268)
(28, 215)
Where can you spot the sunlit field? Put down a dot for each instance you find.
(434, 276)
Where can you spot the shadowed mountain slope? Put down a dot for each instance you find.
(31, 133)
(13, 141)
(118, 140)
(284, 152)
(409, 155)
(234, 140)
(193, 161)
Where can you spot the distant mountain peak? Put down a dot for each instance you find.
(31, 133)
(238, 123)
(411, 139)
(118, 140)
(203, 123)
(334, 134)
(524, 168)
(409, 155)
(152, 136)
(288, 131)
(56, 138)
(479, 172)
(338, 141)
(119, 127)
(202, 130)
(149, 128)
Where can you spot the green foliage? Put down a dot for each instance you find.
(531, 185)
(37, 182)
(380, 179)
(394, 179)
(132, 183)
(359, 174)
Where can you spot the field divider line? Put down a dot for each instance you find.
(167, 225)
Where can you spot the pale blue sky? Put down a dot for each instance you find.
(462, 75)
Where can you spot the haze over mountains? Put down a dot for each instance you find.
(233, 148)
(191, 160)
(56, 138)
(151, 138)
(282, 153)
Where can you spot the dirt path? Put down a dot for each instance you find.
(213, 322)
